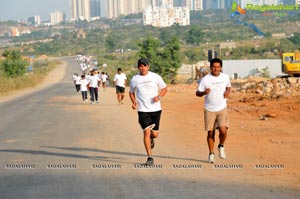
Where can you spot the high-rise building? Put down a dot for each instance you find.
(156, 3)
(143, 4)
(57, 17)
(270, 2)
(103, 7)
(210, 4)
(115, 8)
(194, 4)
(131, 6)
(95, 8)
(179, 3)
(167, 3)
(254, 2)
(228, 3)
(81, 10)
(34, 20)
(289, 2)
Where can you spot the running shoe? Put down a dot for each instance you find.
(211, 158)
(150, 161)
(222, 154)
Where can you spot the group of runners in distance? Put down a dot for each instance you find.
(146, 91)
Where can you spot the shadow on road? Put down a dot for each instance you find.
(40, 152)
(119, 153)
(101, 158)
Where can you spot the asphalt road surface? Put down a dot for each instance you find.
(52, 145)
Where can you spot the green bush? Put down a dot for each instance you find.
(13, 65)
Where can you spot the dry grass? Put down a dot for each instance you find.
(29, 80)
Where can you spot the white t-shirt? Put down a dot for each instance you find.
(74, 77)
(103, 77)
(146, 88)
(120, 79)
(83, 84)
(77, 80)
(83, 67)
(214, 101)
(93, 80)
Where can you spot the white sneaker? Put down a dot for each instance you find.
(222, 154)
(211, 158)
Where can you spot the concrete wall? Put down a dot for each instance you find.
(245, 68)
(242, 68)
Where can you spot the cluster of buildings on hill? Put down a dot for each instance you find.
(158, 13)
(177, 11)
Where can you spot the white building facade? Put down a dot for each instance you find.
(166, 16)
(57, 18)
(80, 10)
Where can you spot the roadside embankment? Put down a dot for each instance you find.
(53, 77)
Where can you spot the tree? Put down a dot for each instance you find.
(149, 48)
(194, 35)
(172, 59)
(162, 61)
(191, 54)
(295, 39)
(13, 65)
(111, 42)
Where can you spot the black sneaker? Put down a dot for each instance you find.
(149, 162)
(152, 143)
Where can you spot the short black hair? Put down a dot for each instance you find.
(119, 69)
(216, 60)
(143, 62)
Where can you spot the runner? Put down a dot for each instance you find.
(215, 86)
(103, 78)
(84, 88)
(146, 90)
(120, 83)
(94, 83)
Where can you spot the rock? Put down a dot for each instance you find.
(271, 115)
(263, 117)
(292, 80)
(259, 91)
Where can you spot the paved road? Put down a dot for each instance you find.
(54, 146)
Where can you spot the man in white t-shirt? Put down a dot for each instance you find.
(94, 83)
(215, 86)
(146, 90)
(120, 83)
(103, 78)
(84, 88)
(76, 80)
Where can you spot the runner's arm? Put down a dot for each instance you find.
(161, 94)
(133, 100)
(227, 92)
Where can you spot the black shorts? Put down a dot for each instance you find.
(120, 89)
(146, 119)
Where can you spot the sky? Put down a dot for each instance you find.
(23, 9)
